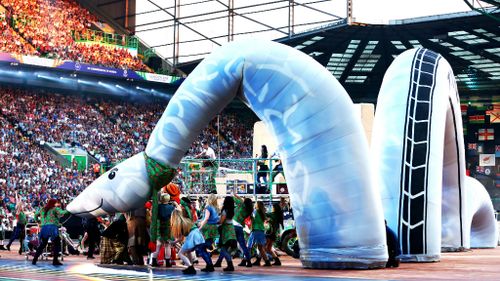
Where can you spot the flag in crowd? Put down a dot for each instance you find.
(463, 109)
(486, 134)
(476, 119)
(486, 160)
(494, 115)
(472, 146)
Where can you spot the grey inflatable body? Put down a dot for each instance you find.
(418, 155)
(325, 155)
(480, 216)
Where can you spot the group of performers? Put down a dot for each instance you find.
(219, 227)
(222, 226)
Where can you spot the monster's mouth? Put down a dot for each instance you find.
(90, 211)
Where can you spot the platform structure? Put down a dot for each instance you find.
(478, 264)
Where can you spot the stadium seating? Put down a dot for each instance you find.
(48, 26)
(11, 42)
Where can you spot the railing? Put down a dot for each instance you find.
(88, 35)
(227, 176)
(97, 36)
(199, 177)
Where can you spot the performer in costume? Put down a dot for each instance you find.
(165, 210)
(2, 226)
(227, 239)
(210, 220)
(20, 229)
(184, 228)
(257, 237)
(175, 196)
(49, 217)
(243, 209)
(263, 170)
(275, 221)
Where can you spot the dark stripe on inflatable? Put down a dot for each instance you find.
(401, 230)
(435, 57)
(458, 172)
(416, 149)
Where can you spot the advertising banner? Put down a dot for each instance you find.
(89, 68)
(153, 77)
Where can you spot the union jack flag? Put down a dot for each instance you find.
(472, 146)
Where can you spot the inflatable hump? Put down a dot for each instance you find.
(480, 219)
(418, 154)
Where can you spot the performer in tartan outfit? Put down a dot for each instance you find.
(275, 223)
(165, 210)
(209, 222)
(243, 209)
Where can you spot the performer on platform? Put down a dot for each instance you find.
(263, 170)
(209, 164)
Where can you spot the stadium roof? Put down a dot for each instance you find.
(358, 54)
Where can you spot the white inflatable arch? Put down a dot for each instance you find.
(480, 216)
(418, 155)
(325, 154)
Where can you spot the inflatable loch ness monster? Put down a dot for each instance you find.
(414, 175)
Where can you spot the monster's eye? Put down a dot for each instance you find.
(112, 174)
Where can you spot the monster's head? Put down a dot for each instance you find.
(123, 188)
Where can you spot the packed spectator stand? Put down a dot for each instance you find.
(46, 28)
(12, 42)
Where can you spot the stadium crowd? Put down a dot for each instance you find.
(26, 168)
(47, 27)
(11, 42)
(109, 130)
